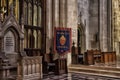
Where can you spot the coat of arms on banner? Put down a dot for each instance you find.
(62, 40)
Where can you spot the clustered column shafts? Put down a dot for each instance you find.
(103, 26)
(105, 47)
(56, 13)
(62, 13)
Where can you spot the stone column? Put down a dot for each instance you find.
(103, 25)
(62, 13)
(48, 24)
(72, 17)
(49, 17)
(109, 25)
(105, 47)
(56, 14)
(86, 15)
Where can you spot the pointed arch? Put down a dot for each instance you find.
(11, 36)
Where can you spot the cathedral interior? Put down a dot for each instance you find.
(59, 40)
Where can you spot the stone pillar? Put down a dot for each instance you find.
(86, 15)
(56, 17)
(56, 13)
(48, 24)
(93, 25)
(105, 47)
(62, 13)
(72, 23)
(109, 25)
(103, 25)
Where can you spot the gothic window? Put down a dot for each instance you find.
(32, 16)
(28, 40)
(29, 14)
(35, 37)
(32, 41)
(39, 39)
(39, 16)
(5, 8)
(35, 16)
(10, 2)
(32, 12)
(25, 13)
(16, 9)
(25, 39)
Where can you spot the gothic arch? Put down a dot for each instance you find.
(11, 30)
(11, 36)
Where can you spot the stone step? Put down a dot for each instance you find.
(93, 70)
(97, 67)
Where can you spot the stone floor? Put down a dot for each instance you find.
(81, 76)
(76, 76)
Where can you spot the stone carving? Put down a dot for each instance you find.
(9, 42)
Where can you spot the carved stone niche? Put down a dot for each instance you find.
(12, 39)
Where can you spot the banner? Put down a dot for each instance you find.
(62, 40)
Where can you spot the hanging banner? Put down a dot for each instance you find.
(62, 40)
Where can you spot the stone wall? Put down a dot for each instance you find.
(98, 25)
(93, 24)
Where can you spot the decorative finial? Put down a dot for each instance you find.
(73, 43)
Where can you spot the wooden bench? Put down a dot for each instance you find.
(96, 56)
(109, 57)
(93, 56)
